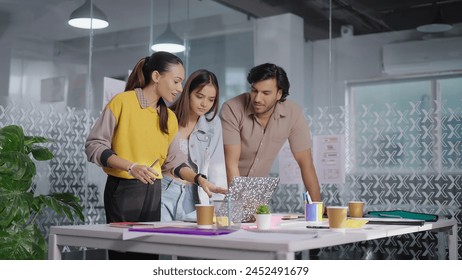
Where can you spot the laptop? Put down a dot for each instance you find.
(252, 192)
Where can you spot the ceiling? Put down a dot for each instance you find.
(366, 16)
(48, 18)
(39, 18)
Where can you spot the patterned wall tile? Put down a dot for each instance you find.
(394, 160)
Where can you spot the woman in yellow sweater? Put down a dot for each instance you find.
(130, 140)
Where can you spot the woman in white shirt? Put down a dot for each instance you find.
(195, 168)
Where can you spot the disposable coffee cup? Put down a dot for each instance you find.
(204, 214)
(337, 217)
(356, 209)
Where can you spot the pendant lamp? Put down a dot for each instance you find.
(168, 41)
(438, 24)
(82, 17)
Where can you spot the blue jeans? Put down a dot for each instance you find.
(177, 200)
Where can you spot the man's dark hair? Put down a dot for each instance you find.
(269, 71)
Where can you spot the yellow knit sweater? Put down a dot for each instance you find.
(137, 136)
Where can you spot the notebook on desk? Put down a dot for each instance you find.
(403, 215)
(252, 192)
(402, 222)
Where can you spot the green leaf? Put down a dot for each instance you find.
(11, 138)
(263, 209)
(20, 238)
(64, 203)
(41, 153)
(24, 244)
(30, 140)
(14, 207)
(38, 203)
(16, 171)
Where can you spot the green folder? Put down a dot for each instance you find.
(403, 215)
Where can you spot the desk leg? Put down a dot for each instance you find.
(443, 237)
(305, 255)
(53, 251)
(285, 256)
(452, 242)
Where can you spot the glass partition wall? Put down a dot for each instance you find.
(402, 132)
(56, 78)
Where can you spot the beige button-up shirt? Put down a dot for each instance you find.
(259, 146)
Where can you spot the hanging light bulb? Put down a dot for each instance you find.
(168, 41)
(81, 17)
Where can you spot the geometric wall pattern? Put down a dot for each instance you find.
(407, 159)
(66, 172)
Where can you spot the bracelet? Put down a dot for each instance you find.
(131, 167)
(196, 178)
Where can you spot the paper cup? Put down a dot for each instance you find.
(204, 214)
(337, 217)
(356, 209)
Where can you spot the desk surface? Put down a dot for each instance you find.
(242, 244)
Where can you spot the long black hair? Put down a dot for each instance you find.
(141, 77)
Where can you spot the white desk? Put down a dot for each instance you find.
(242, 244)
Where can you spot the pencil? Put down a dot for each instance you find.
(154, 163)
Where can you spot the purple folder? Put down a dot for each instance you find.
(184, 230)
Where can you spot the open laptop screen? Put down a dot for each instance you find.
(252, 192)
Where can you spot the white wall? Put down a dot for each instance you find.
(279, 40)
(5, 54)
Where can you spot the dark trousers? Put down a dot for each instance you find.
(128, 200)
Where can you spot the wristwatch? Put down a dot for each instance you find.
(196, 178)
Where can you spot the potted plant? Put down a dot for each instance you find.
(263, 217)
(20, 237)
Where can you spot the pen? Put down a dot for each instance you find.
(154, 163)
(292, 217)
(308, 197)
(318, 227)
(293, 231)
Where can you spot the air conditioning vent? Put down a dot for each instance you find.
(435, 55)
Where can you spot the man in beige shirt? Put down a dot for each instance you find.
(256, 125)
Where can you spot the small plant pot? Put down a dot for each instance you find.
(263, 221)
